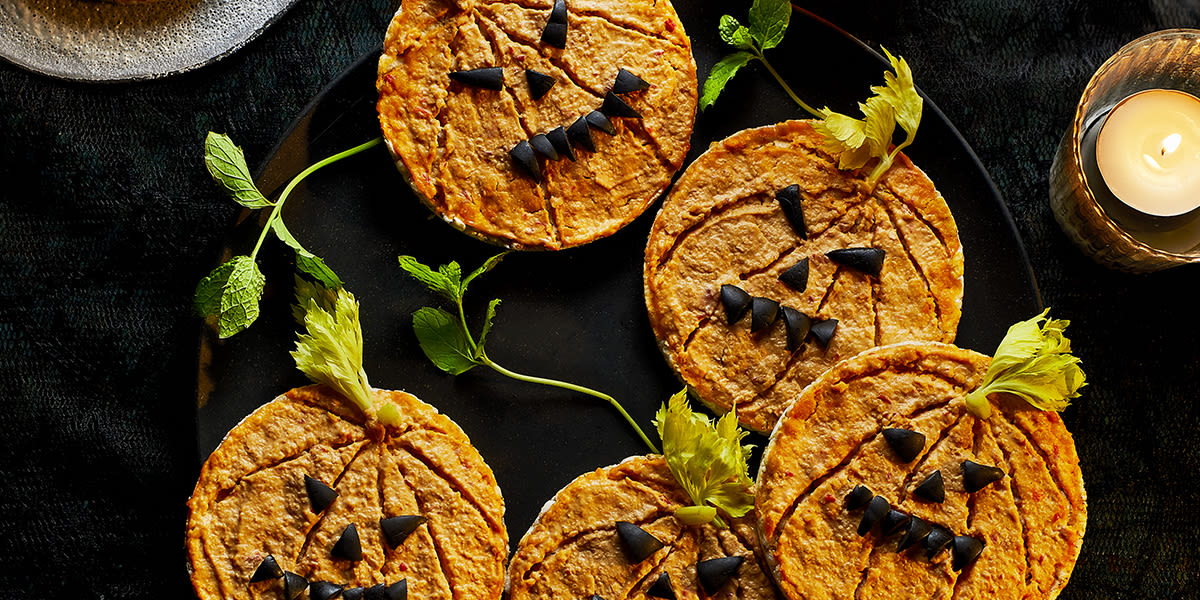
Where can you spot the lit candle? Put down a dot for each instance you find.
(1148, 152)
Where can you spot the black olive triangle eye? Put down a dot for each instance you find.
(320, 496)
(977, 476)
(715, 573)
(397, 529)
(637, 542)
(267, 569)
(488, 78)
(906, 443)
(539, 83)
(627, 82)
(789, 201)
(614, 106)
(796, 277)
(932, 488)
(866, 260)
(348, 545)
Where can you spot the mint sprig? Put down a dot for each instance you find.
(446, 339)
(232, 291)
(854, 141)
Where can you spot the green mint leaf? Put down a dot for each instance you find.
(453, 274)
(306, 261)
(769, 21)
(487, 323)
(436, 281)
(487, 265)
(721, 73)
(735, 34)
(239, 296)
(207, 299)
(227, 165)
(443, 340)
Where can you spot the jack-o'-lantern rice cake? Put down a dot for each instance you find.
(828, 264)
(456, 136)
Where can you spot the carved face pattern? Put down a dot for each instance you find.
(538, 124)
(302, 494)
(879, 481)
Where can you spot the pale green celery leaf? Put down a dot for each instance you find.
(846, 138)
(227, 165)
(443, 340)
(331, 349)
(436, 281)
(900, 92)
(769, 21)
(1034, 363)
(880, 125)
(240, 296)
(306, 290)
(487, 323)
(306, 261)
(721, 73)
(735, 34)
(487, 265)
(706, 457)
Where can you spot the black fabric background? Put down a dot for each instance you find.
(107, 220)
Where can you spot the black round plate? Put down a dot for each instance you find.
(576, 315)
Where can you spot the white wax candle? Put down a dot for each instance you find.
(1148, 152)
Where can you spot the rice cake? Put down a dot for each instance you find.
(573, 550)
(251, 501)
(722, 224)
(1031, 520)
(452, 141)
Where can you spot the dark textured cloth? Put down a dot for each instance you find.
(107, 220)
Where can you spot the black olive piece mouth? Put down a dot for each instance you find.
(966, 550)
(541, 144)
(581, 135)
(523, 155)
(823, 331)
(876, 509)
(268, 569)
(614, 106)
(916, 532)
(558, 138)
(797, 325)
(763, 312)
(323, 590)
(598, 120)
(736, 302)
(661, 588)
(858, 497)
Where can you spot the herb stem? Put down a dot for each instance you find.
(810, 110)
(575, 388)
(298, 178)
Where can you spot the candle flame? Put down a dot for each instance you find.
(1170, 144)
